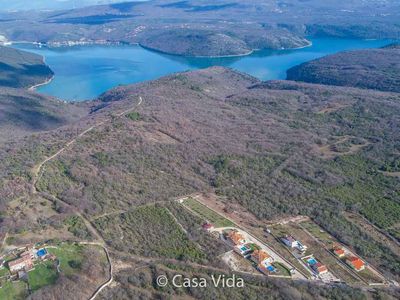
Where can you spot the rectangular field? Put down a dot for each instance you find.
(207, 214)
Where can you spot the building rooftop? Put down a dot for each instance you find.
(260, 255)
(356, 262)
(235, 236)
(290, 238)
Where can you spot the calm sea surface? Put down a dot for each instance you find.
(83, 73)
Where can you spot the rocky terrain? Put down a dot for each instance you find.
(377, 69)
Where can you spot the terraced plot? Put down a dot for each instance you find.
(206, 213)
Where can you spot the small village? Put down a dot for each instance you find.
(16, 264)
(296, 249)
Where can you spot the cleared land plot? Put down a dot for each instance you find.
(13, 291)
(318, 233)
(238, 263)
(207, 214)
(343, 146)
(149, 231)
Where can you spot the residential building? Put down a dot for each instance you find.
(29, 253)
(208, 226)
(261, 256)
(236, 238)
(356, 263)
(319, 268)
(339, 252)
(22, 263)
(289, 241)
(242, 249)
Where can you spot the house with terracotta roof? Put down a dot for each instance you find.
(28, 253)
(236, 238)
(356, 263)
(261, 256)
(319, 268)
(23, 263)
(339, 252)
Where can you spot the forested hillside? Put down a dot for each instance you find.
(277, 148)
(20, 69)
(22, 111)
(377, 69)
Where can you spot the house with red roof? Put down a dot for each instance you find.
(339, 252)
(261, 256)
(356, 263)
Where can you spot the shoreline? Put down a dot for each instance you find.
(47, 81)
(310, 44)
(56, 45)
(34, 87)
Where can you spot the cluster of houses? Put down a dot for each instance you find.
(353, 261)
(25, 261)
(259, 257)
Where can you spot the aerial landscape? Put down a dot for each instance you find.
(200, 149)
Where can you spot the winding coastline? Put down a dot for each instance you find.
(94, 69)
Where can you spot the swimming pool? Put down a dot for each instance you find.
(271, 268)
(41, 252)
(311, 261)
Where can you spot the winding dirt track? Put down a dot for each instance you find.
(37, 170)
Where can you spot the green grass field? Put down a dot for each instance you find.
(207, 214)
(13, 291)
(317, 232)
(4, 272)
(70, 257)
(282, 269)
(44, 274)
